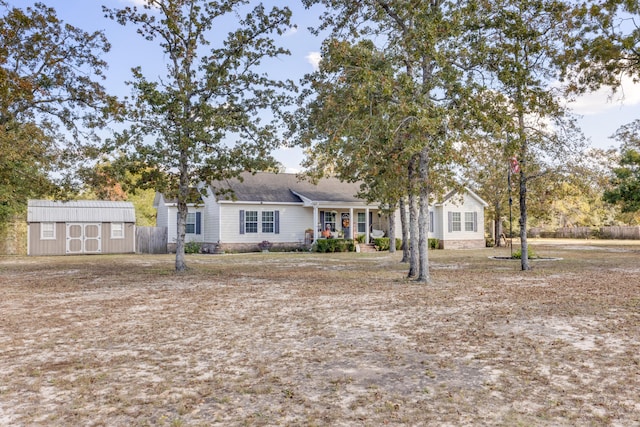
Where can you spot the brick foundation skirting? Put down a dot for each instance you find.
(462, 244)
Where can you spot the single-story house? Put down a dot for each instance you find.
(80, 227)
(457, 221)
(290, 212)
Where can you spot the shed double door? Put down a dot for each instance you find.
(84, 238)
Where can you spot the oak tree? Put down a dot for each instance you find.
(201, 121)
(415, 93)
(522, 44)
(51, 100)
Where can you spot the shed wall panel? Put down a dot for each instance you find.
(118, 246)
(38, 246)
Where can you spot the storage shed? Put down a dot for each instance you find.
(80, 227)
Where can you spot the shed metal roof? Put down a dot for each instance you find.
(80, 211)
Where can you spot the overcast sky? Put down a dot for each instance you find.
(601, 114)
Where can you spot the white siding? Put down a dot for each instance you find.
(440, 223)
(211, 219)
(162, 217)
(294, 220)
(467, 204)
(172, 230)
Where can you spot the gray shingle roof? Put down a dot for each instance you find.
(270, 187)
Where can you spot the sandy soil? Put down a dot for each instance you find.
(310, 339)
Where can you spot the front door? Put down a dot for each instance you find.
(84, 238)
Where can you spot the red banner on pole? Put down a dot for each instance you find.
(514, 165)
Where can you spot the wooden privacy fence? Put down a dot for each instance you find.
(620, 232)
(609, 232)
(151, 240)
(576, 232)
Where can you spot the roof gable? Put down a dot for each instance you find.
(451, 194)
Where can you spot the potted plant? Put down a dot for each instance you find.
(265, 245)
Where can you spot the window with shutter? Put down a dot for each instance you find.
(190, 226)
(268, 222)
(362, 222)
(469, 221)
(455, 223)
(431, 220)
(251, 221)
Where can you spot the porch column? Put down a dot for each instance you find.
(367, 225)
(352, 225)
(315, 222)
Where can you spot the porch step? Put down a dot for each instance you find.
(367, 247)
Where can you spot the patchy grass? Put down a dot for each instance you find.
(323, 339)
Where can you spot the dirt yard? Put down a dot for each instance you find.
(326, 340)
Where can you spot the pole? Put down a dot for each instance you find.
(510, 211)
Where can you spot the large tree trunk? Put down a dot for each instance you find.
(497, 226)
(524, 246)
(423, 218)
(182, 220)
(414, 233)
(183, 196)
(405, 230)
(392, 228)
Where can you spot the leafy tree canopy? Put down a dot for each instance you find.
(50, 99)
(201, 121)
(625, 184)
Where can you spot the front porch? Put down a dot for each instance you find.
(347, 223)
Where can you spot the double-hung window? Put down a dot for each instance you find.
(190, 226)
(456, 221)
(362, 222)
(268, 221)
(251, 222)
(469, 221)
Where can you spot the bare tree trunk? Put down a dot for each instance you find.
(182, 220)
(524, 246)
(414, 236)
(392, 228)
(183, 195)
(423, 218)
(405, 230)
(497, 226)
(414, 232)
(498, 232)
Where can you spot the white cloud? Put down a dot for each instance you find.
(603, 99)
(314, 59)
(292, 31)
